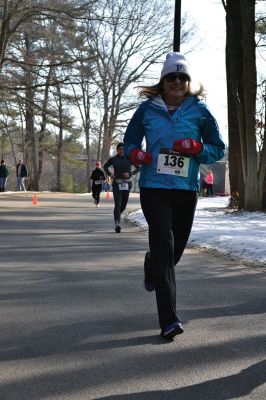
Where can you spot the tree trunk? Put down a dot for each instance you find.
(106, 140)
(249, 85)
(88, 154)
(233, 54)
(30, 141)
(242, 86)
(43, 124)
(59, 141)
(4, 32)
(99, 146)
(262, 165)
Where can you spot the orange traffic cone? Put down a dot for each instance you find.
(35, 202)
(107, 195)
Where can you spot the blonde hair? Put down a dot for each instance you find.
(157, 90)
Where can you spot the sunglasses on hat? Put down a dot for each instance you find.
(174, 75)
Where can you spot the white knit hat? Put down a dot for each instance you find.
(175, 62)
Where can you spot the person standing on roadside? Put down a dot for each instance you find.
(209, 184)
(98, 178)
(3, 175)
(121, 177)
(180, 134)
(22, 174)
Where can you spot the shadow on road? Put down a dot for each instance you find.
(226, 388)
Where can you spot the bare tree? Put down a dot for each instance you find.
(16, 13)
(83, 90)
(30, 139)
(247, 178)
(33, 48)
(100, 49)
(132, 37)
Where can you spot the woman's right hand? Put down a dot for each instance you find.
(139, 157)
(187, 146)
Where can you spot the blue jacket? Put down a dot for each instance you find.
(153, 122)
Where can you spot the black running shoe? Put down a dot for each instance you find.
(170, 331)
(118, 229)
(149, 286)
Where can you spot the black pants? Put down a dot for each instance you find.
(120, 199)
(169, 214)
(209, 191)
(96, 190)
(3, 180)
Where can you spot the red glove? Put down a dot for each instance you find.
(187, 146)
(140, 157)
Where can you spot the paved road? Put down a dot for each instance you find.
(76, 322)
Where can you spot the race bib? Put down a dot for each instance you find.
(171, 163)
(123, 186)
(98, 182)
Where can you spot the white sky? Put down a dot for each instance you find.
(207, 55)
(240, 235)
